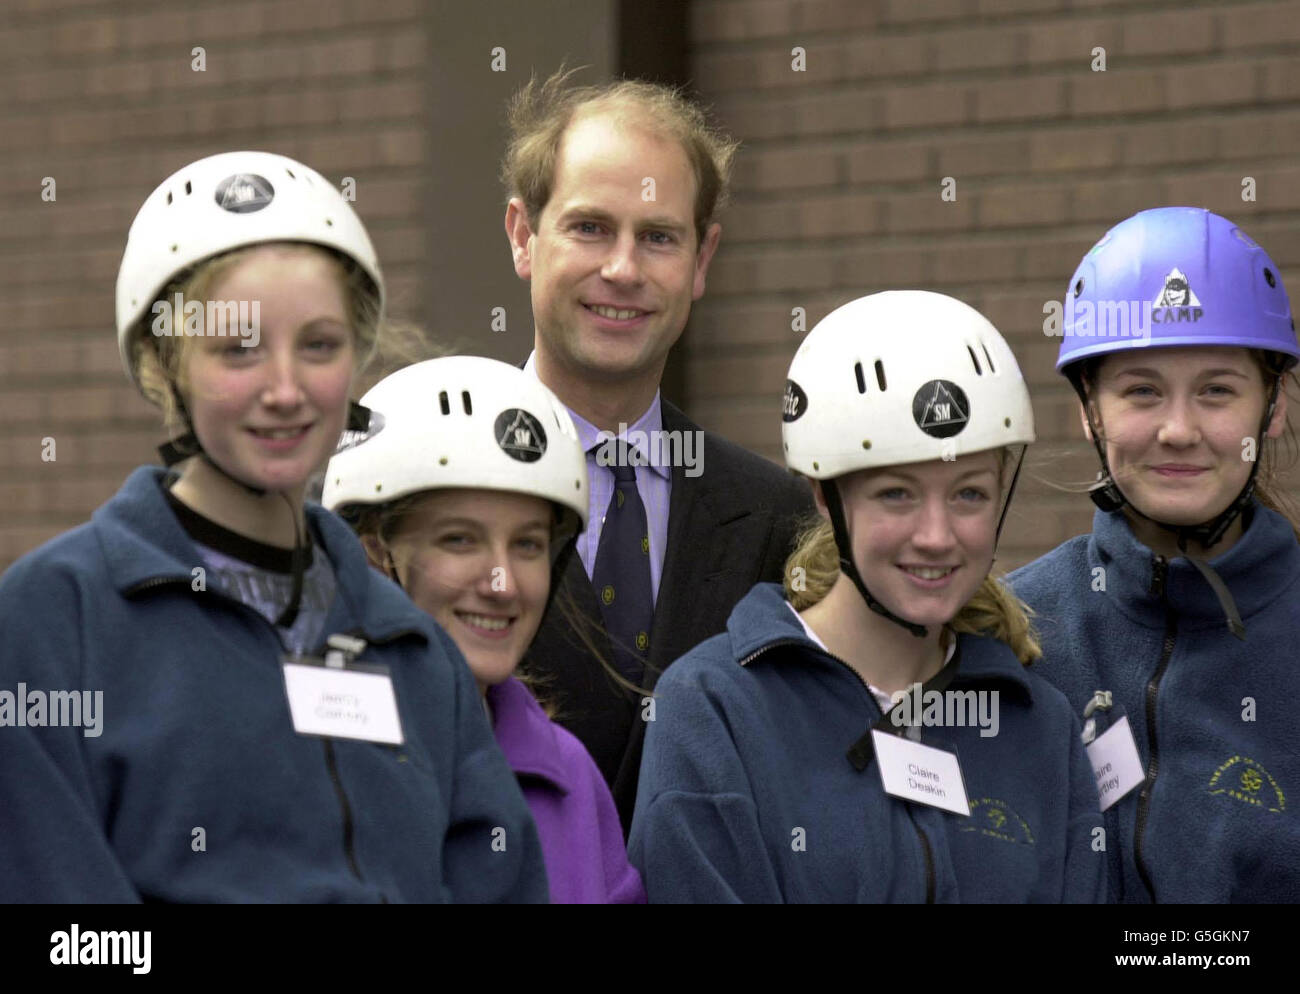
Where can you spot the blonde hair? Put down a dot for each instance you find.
(158, 359)
(539, 115)
(993, 610)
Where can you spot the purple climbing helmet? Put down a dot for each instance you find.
(1175, 276)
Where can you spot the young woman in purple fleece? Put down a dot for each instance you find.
(469, 490)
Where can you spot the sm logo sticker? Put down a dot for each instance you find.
(940, 408)
(520, 435)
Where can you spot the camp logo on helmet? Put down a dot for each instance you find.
(244, 193)
(1176, 301)
(520, 435)
(940, 408)
(351, 438)
(794, 403)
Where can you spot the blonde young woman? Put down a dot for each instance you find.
(230, 761)
(469, 491)
(799, 756)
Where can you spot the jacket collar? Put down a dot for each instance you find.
(761, 619)
(1263, 562)
(525, 735)
(143, 544)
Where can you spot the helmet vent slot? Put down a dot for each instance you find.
(862, 382)
(169, 198)
(464, 400)
(974, 361)
(992, 368)
(442, 402)
(1269, 278)
(188, 188)
(880, 374)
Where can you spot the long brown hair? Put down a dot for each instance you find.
(381, 521)
(1276, 456)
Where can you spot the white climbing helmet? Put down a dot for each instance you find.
(902, 376)
(461, 421)
(225, 202)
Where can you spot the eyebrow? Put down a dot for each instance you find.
(596, 214)
(912, 479)
(476, 525)
(1152, 374)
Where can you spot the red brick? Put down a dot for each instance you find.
(1158, 142)
(791, 168)
(883, 267)
(734, 20)
(888, 55)
(926, 105)
(1070, 43)
(1071, 149)
(982, 155)
(977, 48)
(907, 11)
(927, 212)
(1020, 99)
(890, 161)
(1260, 25)
(1179, 32)
(1108, 201)
(834, 15)
(1021, 206)
(1213, 85)
(1117, 92)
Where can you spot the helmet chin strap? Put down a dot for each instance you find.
(188, 445)
(1108, 496)
(835, 508)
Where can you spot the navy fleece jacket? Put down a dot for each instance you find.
(196, 734)
(747, 793)
(1214, 718)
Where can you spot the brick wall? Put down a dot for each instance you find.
(101, 96)
(838, 184)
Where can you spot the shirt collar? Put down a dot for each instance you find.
(639, 432)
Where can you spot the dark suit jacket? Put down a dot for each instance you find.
(728, 529)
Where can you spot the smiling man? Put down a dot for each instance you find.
(614, 192)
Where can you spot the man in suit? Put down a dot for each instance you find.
(614, 192)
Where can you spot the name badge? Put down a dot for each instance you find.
(356, 702)
(920, 773)
(1115, 763)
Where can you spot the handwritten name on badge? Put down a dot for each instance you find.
(920, 773)
(1115, 763)
(342, 703)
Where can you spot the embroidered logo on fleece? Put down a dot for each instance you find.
(1243, 778)
(995, 818)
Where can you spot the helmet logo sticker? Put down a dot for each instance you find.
(244, 193)
(520, 435)
(1176, 301)
(1176, 292)
(351, 438)
(795, 402)
(940, 408)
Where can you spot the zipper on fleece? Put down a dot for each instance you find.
(331, 761)
(1159, 576)
(925, 843)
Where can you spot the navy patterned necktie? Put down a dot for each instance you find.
(621, 575)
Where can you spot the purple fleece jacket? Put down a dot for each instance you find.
(582, 840)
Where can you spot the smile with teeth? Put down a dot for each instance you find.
(929, 572)
(614, 313)
(483, 621)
